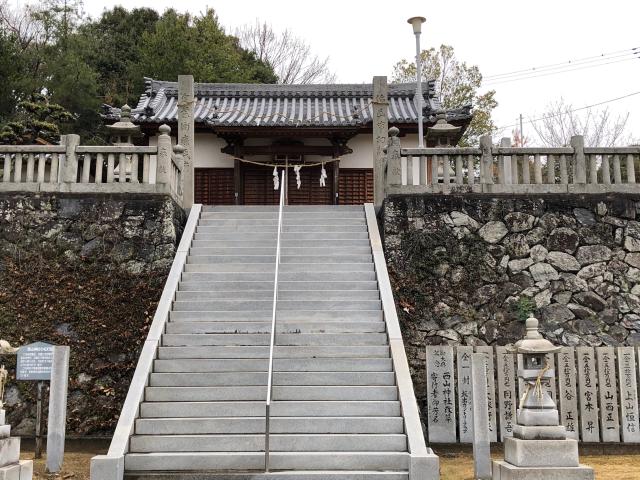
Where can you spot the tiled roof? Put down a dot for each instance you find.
(234, 104)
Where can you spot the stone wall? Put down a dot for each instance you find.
(84, 271)
(467, 270)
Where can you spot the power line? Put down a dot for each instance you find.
(562, 64)
(497, 82)
(559, 114)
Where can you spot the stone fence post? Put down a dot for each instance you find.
(164, 155)
(394, 164)
(486, 160)
(579, 160)
(70, 172)
(178, 153)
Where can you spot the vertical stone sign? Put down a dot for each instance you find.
(441, 405)
(56, 426)
(609, 420)
(491, 392)
(588, 392)
(628, 395)
(380, 105)
(551, 384)
(507, 399)
(481, 427)
(465, 425)
(186, 135)
(567, 391)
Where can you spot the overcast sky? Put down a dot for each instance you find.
(366, 38)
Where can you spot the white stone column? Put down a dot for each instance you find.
(380, 103)
(56, 426)
(163, 166)
(186, 128)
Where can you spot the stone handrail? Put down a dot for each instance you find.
(505, 169)
(75, 168)
(423, 462)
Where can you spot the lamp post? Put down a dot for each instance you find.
(416, 23)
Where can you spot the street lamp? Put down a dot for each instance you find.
(416, 23)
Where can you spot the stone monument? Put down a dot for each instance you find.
(11, 467)
(539, 447)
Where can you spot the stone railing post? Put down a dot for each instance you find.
(579, 160)
(178, 159)
(394, 164)
(505, 142)
(486, 160)
(70, 172)
(163, 168)
(186, 134)
(380, 105)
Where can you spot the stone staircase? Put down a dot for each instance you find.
(336, 410)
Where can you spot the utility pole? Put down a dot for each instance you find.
(521, 133)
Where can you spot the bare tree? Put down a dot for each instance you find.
(600, 128)
(289, 56)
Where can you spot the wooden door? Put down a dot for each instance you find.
(214, 186)
(258, 187)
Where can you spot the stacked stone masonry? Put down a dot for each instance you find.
(466, 270)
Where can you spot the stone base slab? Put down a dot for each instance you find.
(5, 431)
(9, 451)
(10, 472)
(541, 453)
(26, 469)
(523, 432)
(505, 471)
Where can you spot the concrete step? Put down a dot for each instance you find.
(287, 208)
(216, 235)
(278, 409)
(281, 327)
(279, 378)
(287, 220)
(279, 365)
(267, 305)
(295, 339)
(271, 475)
(185, 295)
(284, 251)
(225, 286)
(289, 425)
(310, 258)
(199, 273)
(244, 214)
(309, 271)
(350, 351)
(277, 443)
(287, 228)
(277, 461)
(279, 392)
(282, 316)
(271, 243)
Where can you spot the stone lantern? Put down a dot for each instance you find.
(442, 133)
(539, 447)
(124, 130)
(122, 134)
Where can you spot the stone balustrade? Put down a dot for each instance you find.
(71, 167)
(505, 169)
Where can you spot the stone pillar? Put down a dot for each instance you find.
(486, 160)
(380, 104)
(70, 172)
(56, 426)
(164, 155)
(481, 441)
(394, 164)
(186, 130)
(579, 160)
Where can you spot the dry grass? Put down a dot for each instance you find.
(453, 466)
(459, 466)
